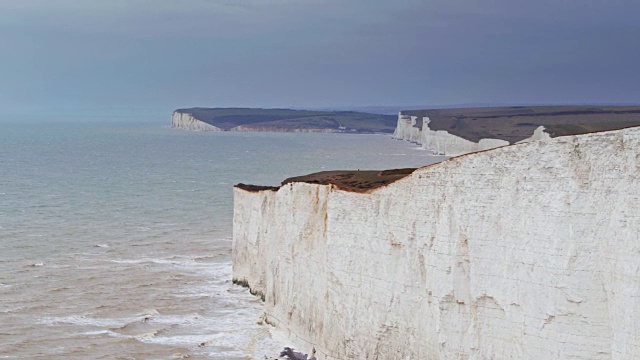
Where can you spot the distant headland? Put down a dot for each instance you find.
(281, 120)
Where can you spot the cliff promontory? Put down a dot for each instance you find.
(530, 251)
(186, 120)
(281, 120)
(460, 131)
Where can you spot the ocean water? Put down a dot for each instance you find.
(115, 237)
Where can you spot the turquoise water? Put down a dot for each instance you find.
(116, 236)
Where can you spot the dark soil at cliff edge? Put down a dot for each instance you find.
(350, 180)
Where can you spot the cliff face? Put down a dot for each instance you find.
(187, 121)
(522, 252)
(440, 142)
(443, 143)
(458, 131)
(407, 129)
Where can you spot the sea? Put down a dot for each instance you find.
(116, 235)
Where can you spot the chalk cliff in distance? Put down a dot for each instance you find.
(460, 131)
(529, 251)
(440, 142)
(281, 120)
(187, 121)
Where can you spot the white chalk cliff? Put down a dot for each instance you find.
(407, 129)
(441, 142)
(187, 121)
(530, 251)
(183, 120)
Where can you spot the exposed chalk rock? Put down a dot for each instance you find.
(443, 143)
(538, 135)
(440, 142)
(457, 131)
(416, 130)
(187, 121)
(407, 129)
(530, 251)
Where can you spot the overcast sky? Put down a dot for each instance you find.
(162, 54)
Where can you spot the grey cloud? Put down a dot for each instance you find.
(166, 53)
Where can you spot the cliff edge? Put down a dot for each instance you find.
(528, 251)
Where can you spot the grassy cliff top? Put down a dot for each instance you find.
(288, 119)
(518, 122)
(351, 180)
